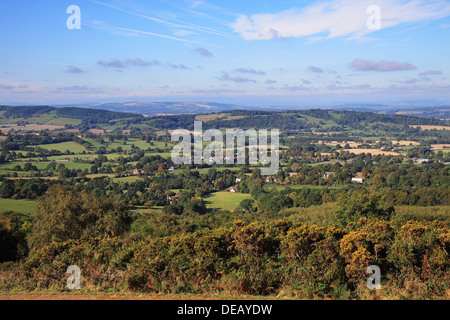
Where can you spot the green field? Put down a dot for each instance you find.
(63, 146)
(43, 165)
(130, 179)
(225, 200)
(20, 206)
(141, 144)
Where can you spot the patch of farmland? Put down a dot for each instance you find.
(225, 200)
(440, 147)
(373, 152)
(63, 146)
(426, 127)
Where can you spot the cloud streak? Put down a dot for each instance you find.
(250, 71)
(126, 63)
(204, 52)
(381, 66)
(336, 18)
(431, 73)
(179, 24)
(216, 91)
(315, 69)
(74, 70)
(7, 86)
(12, 87)
(226, 77)
(178, 66)
(111, 28)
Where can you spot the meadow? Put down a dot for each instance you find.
(19, 206)
(225, 200)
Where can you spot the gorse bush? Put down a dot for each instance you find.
(260, 258)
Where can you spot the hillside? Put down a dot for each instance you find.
(164, 108)
(343, 177)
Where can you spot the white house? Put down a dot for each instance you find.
(357, 180)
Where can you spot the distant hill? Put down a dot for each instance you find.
(437, 112)
(163, 108)
(175, 115)
(95, 115)
(178, 108)
(42, 114)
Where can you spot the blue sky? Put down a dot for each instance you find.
(245, 52)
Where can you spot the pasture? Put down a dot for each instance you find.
(63, 146)
(20, 206)
(225, 200)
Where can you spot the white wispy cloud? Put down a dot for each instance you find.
(337, 18)
(431, 73)
(106, 27)
(177, 25)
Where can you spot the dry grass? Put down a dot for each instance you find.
(210, 117)
(424, 127)
(352, 144)
(440, 146)
(373, 152)
(405, 143)
(96, 131)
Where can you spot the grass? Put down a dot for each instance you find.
(426, 127)
(441, 213)
(43, 165)
(225, 200)
(63, 146)
(130, 179)
(54, 158)
(141, 144)
(20, 206)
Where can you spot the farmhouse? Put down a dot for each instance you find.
(357, 180)
(422, 160)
